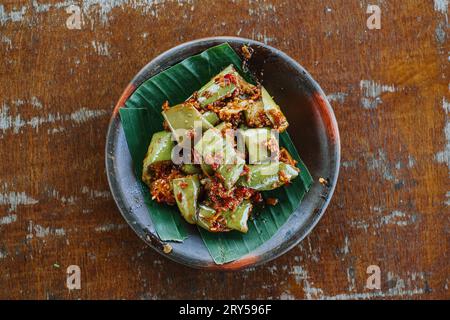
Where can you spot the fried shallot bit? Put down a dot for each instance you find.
(287, 158)
(278, 118)
(166, 126)
(272, 201)
(221, 199)
(272, 145)
(161, 185)
(165, 106)
(247, 52)
(259, 121)
(284, 178)
(183, 185)
(193, 101)
(246, 172)
(231, 114)
(325, 182)
(167, 248)
(161, 191)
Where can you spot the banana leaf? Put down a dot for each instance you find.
(141, 117)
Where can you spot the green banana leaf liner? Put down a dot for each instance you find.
(141, 118)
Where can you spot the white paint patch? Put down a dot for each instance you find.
(94, 10)
(360, 224)
(12, 16)
(95, 194)
(445, 105)
(349, 164)
(66, 200)
(394, 218)
(14, 199)
(35, 103)
(101, 48)
(85, 115)
(440, 33)
(441, 6)
(272, 269)
(379, 163)
(55, 130)
(372, 295)
(301, 277)
(411, 287)
(43, 232)
(411, 162)
(338, 97)
(8, 219)
(4, 39)
(263, 37)
(287, 296)
(41, 7)
(351, 279)
(398, 218)
(444, 156)
(311, 253)
(71, 200)
(346, 248)
(7, 121)
(447, 196)
(16, 123)
(371, 93)
(110, 227)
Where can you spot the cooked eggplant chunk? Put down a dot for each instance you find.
(186, 191)
(262, 145)
(211, 117)
(190, 168)
(264, 177)
(273, 111)
(218, 87)
(265, 113)
(159, 149)
(210, 220)
(182, 118)
(219, 155)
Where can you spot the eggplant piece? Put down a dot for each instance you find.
(264, 177)
(237, 219)
(189, 168)
(207, 169)
(160, 149)
(213, 91)
(186, 191)
(265, 108)
(230, 173)
(273, 111)
(213, 147)
(211, 117)
(210, 143)
(254, 114)
(208, 219)
(259, 141)
(183, 117)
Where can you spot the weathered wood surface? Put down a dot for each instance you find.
(390, 92)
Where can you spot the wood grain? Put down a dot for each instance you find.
(390, 92)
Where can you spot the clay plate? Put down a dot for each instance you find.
(313, 129)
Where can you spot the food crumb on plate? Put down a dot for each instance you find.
(167, 248)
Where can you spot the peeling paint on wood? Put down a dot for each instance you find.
(58, 88)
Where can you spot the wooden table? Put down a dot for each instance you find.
(389, 89)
